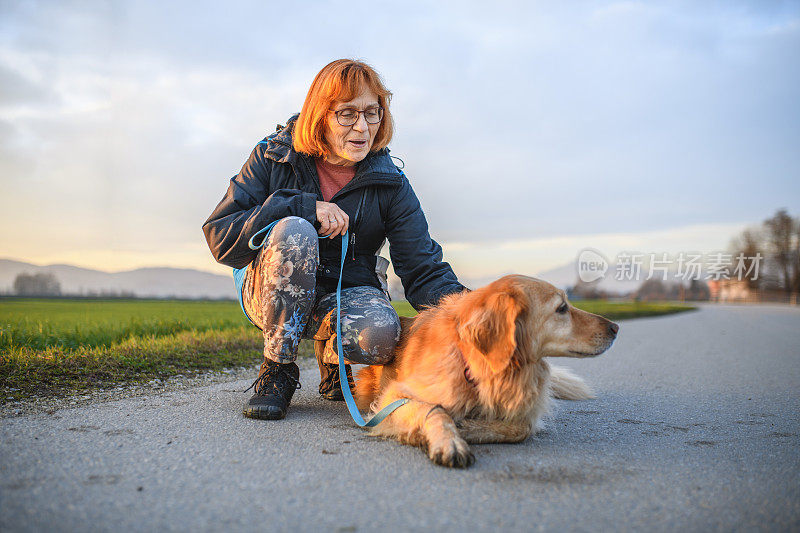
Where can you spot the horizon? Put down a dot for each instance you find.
(457, 251)
(614, 125)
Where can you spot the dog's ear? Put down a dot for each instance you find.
(487, 330)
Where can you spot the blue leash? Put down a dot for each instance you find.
(348, 396)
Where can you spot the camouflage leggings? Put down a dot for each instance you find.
(281, 298)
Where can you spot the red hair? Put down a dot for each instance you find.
(339, 81)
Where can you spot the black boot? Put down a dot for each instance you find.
(274, 388)
(330, 385)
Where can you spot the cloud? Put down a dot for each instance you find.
(16, 90)
(127, 153)
(120, 124)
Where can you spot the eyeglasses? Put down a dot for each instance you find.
(349, 116)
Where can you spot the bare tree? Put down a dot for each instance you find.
(797, 256)
(777, 239)
(783, 241)
(749, 245)
(41, 284)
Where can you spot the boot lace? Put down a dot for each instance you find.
(333, 381)
(275, 378)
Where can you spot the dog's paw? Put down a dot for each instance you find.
(453, 452)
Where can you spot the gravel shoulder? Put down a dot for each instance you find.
(49, 404)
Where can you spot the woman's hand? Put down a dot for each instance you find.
(333, 221)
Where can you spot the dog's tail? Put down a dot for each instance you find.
(368, 382)
(565, 385)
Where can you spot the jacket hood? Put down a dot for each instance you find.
(279, 148)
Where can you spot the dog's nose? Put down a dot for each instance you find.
(613, 329)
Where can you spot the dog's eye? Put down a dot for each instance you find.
(562, 308)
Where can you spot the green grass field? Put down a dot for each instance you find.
(55, 346)
(49, 346)
(41, 324)
(630, 309)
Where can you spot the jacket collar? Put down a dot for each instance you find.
(376, 166)
(279, 144)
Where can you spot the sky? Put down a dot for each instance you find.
(529, 130)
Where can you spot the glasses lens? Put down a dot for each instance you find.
(373, 115)
(347, 117)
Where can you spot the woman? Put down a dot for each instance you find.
(326, 173)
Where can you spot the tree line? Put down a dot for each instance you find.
(46, 285)
(777, 241)
(39, 284)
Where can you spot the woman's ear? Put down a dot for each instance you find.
(487, 331)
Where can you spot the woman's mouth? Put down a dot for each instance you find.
(359, 144)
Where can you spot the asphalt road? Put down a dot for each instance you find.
(695, 428)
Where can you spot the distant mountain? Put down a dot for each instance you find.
(189, 283)
(562, 277)
(566, 276)
(142, 282)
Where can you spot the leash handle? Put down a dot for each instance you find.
(267, 229)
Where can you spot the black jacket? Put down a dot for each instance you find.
(276, 182)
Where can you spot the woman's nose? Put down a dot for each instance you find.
(361, 124)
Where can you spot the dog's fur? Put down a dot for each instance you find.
(473, 367)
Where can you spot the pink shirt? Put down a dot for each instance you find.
(332, 177)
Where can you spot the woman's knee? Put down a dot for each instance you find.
(375, 344)
(288, 227)
(292, 238)
(288, 260)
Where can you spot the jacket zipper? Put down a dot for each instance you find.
(355, 223)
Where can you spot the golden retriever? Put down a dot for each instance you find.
(474, 371)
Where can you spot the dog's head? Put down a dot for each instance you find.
(526, 318)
